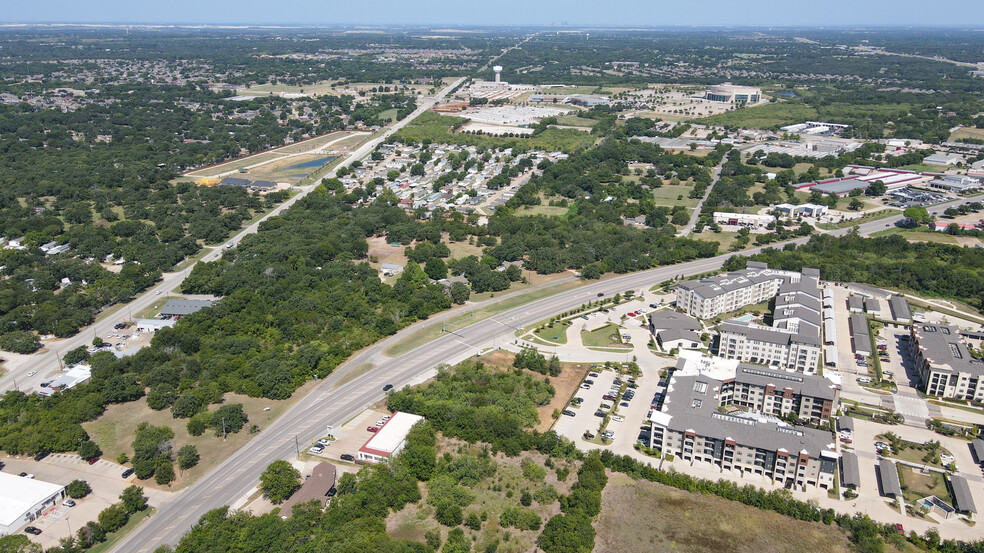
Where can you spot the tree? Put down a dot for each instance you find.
(77, 489)
(89, 450)
(460, 292)
(279, 481)
(18, 543)
(457, 542)
(436, 269)
(77, 355)
(133, 499)
(918, 215)
(165, 472)
(855, 204)
(187, 457)
(113, 518)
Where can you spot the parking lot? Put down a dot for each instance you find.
(104, 477)
(627, 431)
(349, 438)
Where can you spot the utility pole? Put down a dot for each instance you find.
(297, 448)
(223, 430)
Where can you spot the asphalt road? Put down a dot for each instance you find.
(332, 403)
(47, 366)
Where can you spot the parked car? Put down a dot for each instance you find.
(589, 381)
(623, 404)
(608, 397)
(372, 428)
(863, 380)
(617, 418)
(69, 503)
(127, 473)
(316, 449)
(32, 530)
(599, 414)
(585, 386)
(881, 445)
(606, 406)
(324, 441)
(946, 458)
(593, 375)
(94, 460)
(347, 457)
(899, 529)
(568, 412)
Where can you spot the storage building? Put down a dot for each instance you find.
(389, 439)
(23, 500)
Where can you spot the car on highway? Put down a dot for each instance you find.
(372, 429)
(387, 387)
(346, 457)
(33, 530)
(600, 294)
(32, 373)
(157, 293)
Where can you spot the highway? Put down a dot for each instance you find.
(331, 403)
(47, 366)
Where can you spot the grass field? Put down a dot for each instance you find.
(115, 429)
(670, 195)
(556, 333)
(548, 210)
(640, 517)
(766, 116)
(607, 335)
(965, 132)
(576, 121)
(919, 485)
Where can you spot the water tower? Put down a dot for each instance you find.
(498, 72)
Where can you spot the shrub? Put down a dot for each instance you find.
(198, 423)
(521, 519)
(77, 489)
(187, 457)
(448, 514)
(165, 472)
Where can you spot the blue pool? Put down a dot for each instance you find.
(745, 318)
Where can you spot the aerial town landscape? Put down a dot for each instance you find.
(505, 286)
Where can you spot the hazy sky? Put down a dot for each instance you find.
(501, 12)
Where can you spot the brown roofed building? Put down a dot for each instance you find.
(318, 486)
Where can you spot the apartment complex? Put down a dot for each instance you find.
(946, 368)
(693, 424)
(793, 342)
(707, 298)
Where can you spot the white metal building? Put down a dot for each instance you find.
(153, 325)
(389, 439)
(23, 500)
(748, 220)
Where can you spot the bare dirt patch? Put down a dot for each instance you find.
(640, 517)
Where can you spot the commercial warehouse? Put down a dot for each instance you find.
(23, 500)
(389, 439)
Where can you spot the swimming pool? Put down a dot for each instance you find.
(745, 318)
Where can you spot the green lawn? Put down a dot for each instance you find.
(965, 132)
(607, 335)
(919, 485)
(670, 195)
(556, 333)
(576, 121)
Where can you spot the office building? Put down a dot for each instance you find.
(747, 220)
(946, 368)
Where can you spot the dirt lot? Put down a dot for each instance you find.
(114, 431)
(640, 517)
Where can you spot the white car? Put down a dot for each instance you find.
(617, 418)
(946, 458)
(157, 293)
(316, 449)
(324, 442)
(32, 373)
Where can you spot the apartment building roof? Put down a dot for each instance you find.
(942, 347)
(671, 334)
(691, 405)
(845, 423)
(855, 303)
(962, 498)
(770, 335)
(804, 384)
(717, 285)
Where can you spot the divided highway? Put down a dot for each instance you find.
(333, 404)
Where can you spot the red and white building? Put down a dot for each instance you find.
(389, 439)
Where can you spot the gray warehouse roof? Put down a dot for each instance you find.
(184, 307)
(840, 187)
(845, 423)
(851, 473)
(962, 498)
(942, 347)
(900, 309)
(854, 303)
(888, 476)
(978, 447)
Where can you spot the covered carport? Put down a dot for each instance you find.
(888, 479)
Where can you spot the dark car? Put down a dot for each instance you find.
(568, 412)
(32, 530)
(41, 455)
(601, 294)
(599, 413)
(387, 387)
(22, 475)
(347, 457)
(94, 460)
(127, 473)
(588, 381)
(608, 397)
(331, 492)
